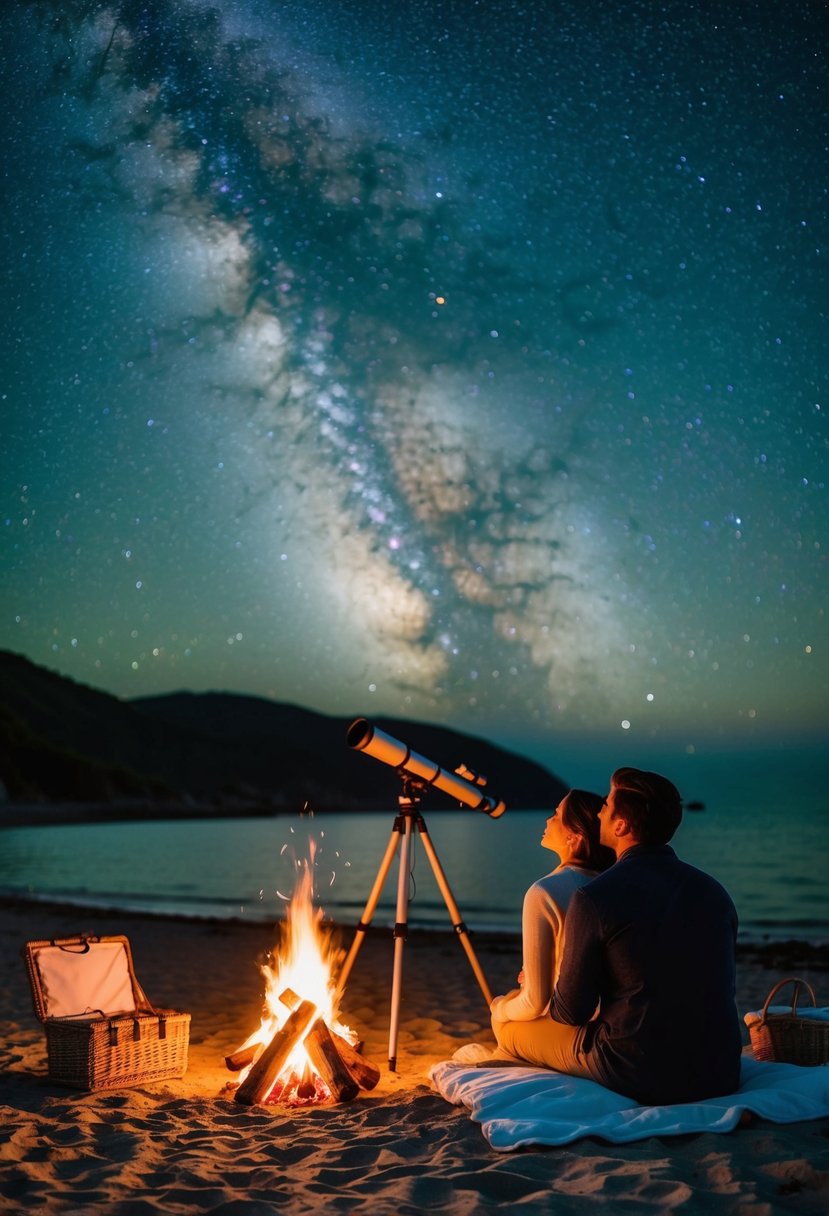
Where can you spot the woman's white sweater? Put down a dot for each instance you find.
(542, 926)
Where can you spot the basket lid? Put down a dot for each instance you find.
(77, 975)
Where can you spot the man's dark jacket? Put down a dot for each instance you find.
(651, 942)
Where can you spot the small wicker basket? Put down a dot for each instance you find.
(101, 1031)
(789, 1037)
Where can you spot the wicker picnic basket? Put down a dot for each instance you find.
(101, 1031)
(789, 1037)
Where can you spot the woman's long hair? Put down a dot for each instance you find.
(580, 815)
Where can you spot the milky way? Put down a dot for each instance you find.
(465, 363)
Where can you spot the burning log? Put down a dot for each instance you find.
(362, 1070)
(259, 1081)
(326, 1059)
(239, 1059)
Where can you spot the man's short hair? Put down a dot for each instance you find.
(651, 804)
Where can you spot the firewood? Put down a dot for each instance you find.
(325, 1057)
(289, 998)
(259, 1081)
(362, 1070)
(239, 1059)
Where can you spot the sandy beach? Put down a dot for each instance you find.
(186, 1146)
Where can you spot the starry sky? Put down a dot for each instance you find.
(461, 360)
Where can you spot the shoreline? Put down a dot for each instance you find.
(757, 889)
(778, 946)
(185, 1147)
(787, 956)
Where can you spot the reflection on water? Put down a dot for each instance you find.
(245, 868)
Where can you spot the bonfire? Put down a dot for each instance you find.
(301, 1053)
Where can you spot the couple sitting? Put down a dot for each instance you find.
(629, 954)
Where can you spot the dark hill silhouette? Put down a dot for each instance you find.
(63, 741)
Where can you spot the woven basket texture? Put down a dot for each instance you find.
(118, 1052)
(113, 1050)
(789, 1038)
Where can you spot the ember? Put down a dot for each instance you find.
(301, 1054)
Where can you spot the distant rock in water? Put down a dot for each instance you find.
(694, 806)
(65, 742)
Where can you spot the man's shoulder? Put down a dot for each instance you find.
(640, 863)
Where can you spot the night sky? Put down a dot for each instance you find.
(462, 360)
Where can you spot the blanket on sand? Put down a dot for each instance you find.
(518, 1106)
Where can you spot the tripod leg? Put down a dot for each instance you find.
(448, 899)
(368, 911)
(401, 928)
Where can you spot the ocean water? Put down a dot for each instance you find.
(771, 859)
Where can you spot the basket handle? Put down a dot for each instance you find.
(798, 984)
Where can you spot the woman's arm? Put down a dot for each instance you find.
(540, 926)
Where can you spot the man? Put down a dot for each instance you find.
(650, 951)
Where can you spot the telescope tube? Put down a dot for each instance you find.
(364, 737)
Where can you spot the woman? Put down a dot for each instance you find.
(572, 832)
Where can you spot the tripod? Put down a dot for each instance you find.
(407, 820)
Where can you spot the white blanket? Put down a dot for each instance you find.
(520, 1106)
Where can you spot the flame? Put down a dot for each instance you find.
(306, 961)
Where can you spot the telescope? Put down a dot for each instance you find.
(364, 737)
(418, 774)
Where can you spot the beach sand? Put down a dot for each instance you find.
(186, 1146)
